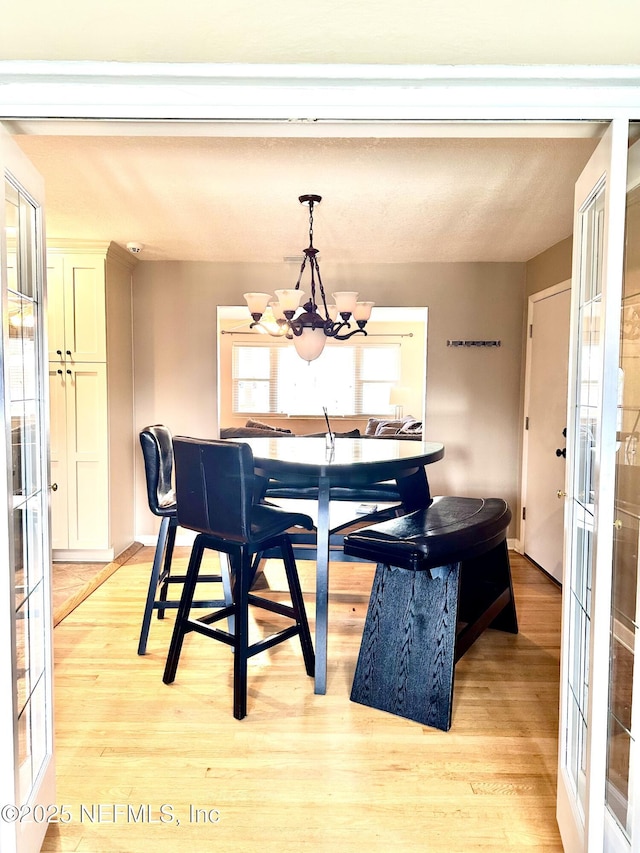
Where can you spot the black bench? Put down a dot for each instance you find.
(443, 576)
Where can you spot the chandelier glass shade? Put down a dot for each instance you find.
(309, 324)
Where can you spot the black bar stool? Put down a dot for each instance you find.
(157, 450)
(443, 576)
(215, 486)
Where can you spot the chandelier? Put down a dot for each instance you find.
(311, 324)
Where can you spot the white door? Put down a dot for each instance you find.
(622, 793)
(591, 447)
(545, 427)
(27, 780)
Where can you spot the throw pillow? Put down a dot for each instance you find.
(372, 425)
(411, 427)
(387, 430)
(389, 427)
(259, 425)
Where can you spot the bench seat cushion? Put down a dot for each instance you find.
(449, 530)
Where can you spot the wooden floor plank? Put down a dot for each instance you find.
(301, 771)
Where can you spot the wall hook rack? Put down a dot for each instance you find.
(474, 343)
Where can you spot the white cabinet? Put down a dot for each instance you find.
(79, 456)
(76, 307)
(92, 450)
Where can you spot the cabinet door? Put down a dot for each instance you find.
(55, 307)
(58, 457)
(84, 309)
(87, 456)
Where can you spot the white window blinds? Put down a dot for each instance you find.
(348, 379)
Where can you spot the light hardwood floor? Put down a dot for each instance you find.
(300, 772)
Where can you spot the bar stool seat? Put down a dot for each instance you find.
(443, 577)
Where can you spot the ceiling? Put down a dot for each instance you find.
(390, 194)
(441, 32)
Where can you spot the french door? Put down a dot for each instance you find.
(27, 786)
(598, 795)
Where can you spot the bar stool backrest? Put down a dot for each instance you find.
(157, 450)
(214, 487)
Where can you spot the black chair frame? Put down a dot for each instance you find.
(244, 550)
(243, 570)
(157, 450)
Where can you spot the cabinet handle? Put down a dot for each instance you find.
(59, 351)
(60, 372)
(68, 352)
(69, 372)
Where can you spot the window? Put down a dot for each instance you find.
(251, 379)
(348, 379)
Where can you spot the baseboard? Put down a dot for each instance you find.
(83, 555)
(183, 538)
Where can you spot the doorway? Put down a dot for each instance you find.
(519, 101)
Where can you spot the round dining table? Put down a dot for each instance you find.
(349, 469)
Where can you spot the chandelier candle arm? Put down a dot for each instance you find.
(277, 312)
(362, 312)
(289, 301)
(257, 304)
(345, 303)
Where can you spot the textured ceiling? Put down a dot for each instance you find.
(325, 31)
(385, 200)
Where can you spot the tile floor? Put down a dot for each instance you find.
(69, 578)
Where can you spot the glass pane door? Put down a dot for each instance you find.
(26, 706)
(28, 504)
(623, 713)
(594, 392)
(586, 429)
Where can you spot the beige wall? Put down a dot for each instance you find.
(473, 395)
(549, 267)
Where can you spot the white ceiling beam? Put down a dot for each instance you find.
(315, 93)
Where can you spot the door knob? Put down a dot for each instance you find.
(54, 487)
(561, 494)
(561, 451)
(617, 524)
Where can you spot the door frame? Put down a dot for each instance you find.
(533, 299)
(305, 97)
(77, 97)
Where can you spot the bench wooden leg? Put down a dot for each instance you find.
(486, 597)
(407, 655)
